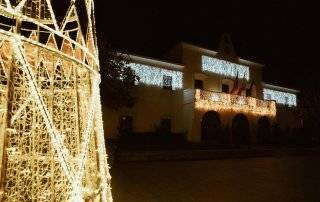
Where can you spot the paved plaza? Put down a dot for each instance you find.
(287, 179)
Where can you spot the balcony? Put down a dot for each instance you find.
(223, 102)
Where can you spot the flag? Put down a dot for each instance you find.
(250, 88)
(235, 85)
(242, 88)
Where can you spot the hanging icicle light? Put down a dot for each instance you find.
(280, 97)
(154, 76)
(225, 68)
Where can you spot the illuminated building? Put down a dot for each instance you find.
(187, 95)
(51, 132)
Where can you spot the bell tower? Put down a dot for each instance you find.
(226, 48)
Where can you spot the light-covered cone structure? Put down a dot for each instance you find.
(52, 145)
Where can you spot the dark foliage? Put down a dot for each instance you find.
(309, 110)
(117, 79)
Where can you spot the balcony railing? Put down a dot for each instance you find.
(208, 100)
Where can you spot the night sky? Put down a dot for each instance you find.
(280, 34)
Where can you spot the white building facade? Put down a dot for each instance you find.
(200, 95)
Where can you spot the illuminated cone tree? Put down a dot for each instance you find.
(52, 144)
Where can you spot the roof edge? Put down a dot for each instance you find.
(280, 88)
(156, 62)
(214, 53)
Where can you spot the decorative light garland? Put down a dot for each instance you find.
(73, 176)
(222, 102)
(153, 76)
(280, 97)
(225, 68)
(43, 107)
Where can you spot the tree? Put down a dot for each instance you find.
(117, 79)
(309, 110)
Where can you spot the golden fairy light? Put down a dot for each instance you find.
(223, 102)
(52, 145)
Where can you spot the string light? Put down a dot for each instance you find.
(55, 132)
(284, 98)
(154, 76)
(224, 68)
(222, 102)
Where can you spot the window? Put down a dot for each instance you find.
(165, 125)
(167, 82)
(225, 88)
(198, 84)
(286, 101)
(268, 96)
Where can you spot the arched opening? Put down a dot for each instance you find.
(211, 127)
(264, 130)
(240, 130)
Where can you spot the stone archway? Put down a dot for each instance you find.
(240, 130)
(264, 130)
(211, 127)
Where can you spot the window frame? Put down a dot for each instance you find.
(198, 84)
(164, 82)
(225, 85)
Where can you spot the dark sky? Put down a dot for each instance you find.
(281, 34)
